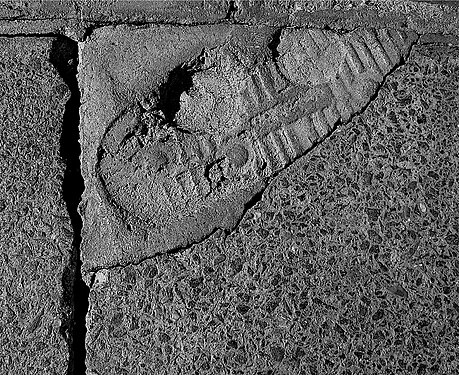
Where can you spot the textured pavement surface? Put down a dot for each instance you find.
(36, 234)
(229, 187)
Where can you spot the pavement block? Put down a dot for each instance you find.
(35, 230)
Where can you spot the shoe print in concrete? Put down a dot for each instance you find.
(177, 176)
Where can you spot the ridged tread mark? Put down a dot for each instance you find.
(249, 93)
(368, 51)
(287, 143)
(343, 85)
(262, 86)
(309, 124)
(265, 88)
(259, 88)
(290, 142)
(377, 50)
(269, 120)
(365, 55)
(390, 45)
(270, 152)
(354, 59)
(319, 39)
(347, 75)
(278, 147)
(247, 207)
(373, 52)
(320, 123)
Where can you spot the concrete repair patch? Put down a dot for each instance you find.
(184, 127)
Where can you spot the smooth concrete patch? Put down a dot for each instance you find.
(182, 128)
(35, 230)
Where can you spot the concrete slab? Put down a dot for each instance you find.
(35, 230)
(347, 265)
(193, 112)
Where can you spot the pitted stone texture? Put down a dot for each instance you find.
(190, 153)
(35, 231)
(348, 265)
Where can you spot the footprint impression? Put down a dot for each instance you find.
(239, 125)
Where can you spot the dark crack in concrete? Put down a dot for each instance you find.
(64, 57)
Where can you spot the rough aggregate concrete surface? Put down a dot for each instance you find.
(229, 187)
(36, 233)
